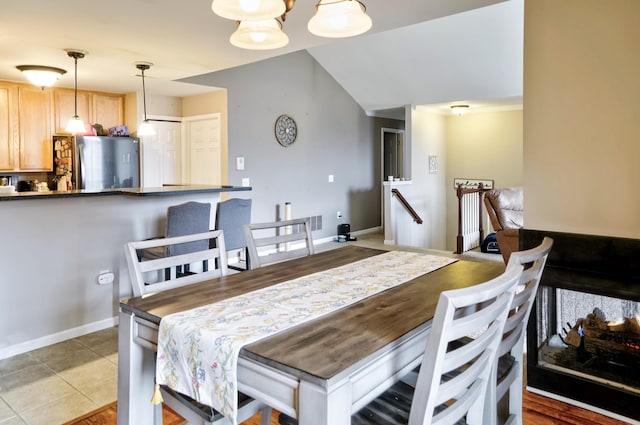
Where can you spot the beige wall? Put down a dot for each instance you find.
(581, 119)
(483, 145)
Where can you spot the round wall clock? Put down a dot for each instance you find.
(286, 130)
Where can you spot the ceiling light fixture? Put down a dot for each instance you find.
(259, 35)
(339, 18)
(459, 109)
(241, 10)
(145, 128)
(75, 124)
(42, 76)
(260, 21)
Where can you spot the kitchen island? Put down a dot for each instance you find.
(55, 244)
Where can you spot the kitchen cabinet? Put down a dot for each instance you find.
(35, 145)
(25, 128)
(106, 109)
(64, 108)
(8, 125)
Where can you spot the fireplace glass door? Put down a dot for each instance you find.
(587, 348)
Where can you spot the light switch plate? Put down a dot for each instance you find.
(240, 163)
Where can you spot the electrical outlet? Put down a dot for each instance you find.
(338, 215)
(105, 277)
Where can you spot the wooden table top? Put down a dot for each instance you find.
(328, 345)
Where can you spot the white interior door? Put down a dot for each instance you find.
(203, 142)
(161, 155)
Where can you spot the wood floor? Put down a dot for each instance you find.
(537, 410)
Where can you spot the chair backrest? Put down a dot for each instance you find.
(149, 276)
(534, 261)
(187, 219)
(287, 239)
(510, 351)
(231, 215)
(457, 368)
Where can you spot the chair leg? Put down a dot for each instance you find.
(515, 398)
(265, 416)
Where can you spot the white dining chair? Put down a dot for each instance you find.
(148, 275)
(509, 379)
(280, 240)
(509, 382)
(453, 382)
(204, 264)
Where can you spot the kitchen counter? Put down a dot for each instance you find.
(53, 252)
(168, 190)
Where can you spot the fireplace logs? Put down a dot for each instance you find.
(617, 341)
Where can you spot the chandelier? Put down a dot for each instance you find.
(259, 22)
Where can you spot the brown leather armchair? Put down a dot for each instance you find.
(506, 209)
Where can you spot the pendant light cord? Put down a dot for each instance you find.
(75, 86)
(144, 96)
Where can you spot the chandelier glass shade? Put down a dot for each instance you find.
(259, 35)
(339, 18)
(75, 124)
(41, 76)
(241, 10)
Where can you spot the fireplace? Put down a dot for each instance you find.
(582, 341)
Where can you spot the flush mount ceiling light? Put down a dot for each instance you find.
(339, 18)
(241, 10)
(145, 128)
(459, 109)
(259, 35)
(75, 124)
(42, 76)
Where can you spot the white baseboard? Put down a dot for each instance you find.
(44, 341)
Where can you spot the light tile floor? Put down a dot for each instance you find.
(60, 382)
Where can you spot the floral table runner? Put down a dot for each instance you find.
(198, 349)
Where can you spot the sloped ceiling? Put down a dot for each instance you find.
(473, 57)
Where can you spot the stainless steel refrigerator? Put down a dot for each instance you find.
(106, 162)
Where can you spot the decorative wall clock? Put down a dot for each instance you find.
(286, 130)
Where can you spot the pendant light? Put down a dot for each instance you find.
(42, 76)
(241, 10)
(339, 18)
(145, 128)
(259, 35)
(75, 124)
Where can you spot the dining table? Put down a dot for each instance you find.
(319, 371)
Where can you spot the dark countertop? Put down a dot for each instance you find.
(135, 191)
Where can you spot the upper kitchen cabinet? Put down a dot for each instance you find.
(93, 107)
(64, 108)
(34, 111)
(108, 109)
(8, 125)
